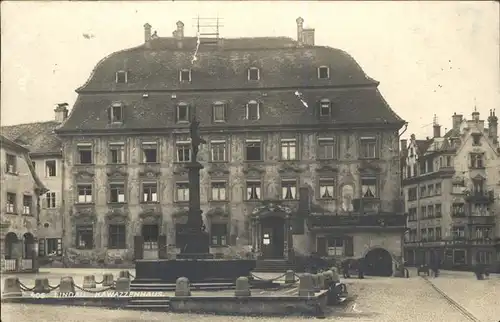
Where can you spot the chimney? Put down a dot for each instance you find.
(493, 126)
(300, 30)
(436, 128)
(61, 112)
(147, 32)
(308, 36)
(457, 120)
(179, 33)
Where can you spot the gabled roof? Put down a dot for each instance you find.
(38, 137)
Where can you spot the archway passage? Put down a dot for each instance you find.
(378, 262)
(29, 245)
(273, 237)
(10, 242)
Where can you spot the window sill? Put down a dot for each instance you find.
(218, 200)
(294, 199)
(149, 202)
(113, 203)
(219, 246)
(325, 199)
(289, 160)
(253, 200)
(253, 161)
(118, 248)
(182, 122)
(82, 248)
(218, 162)
(149, 163)
(85, 164)
(83, 204)
(326, 159)
(181, 201)
(12, 213)
(29, 215)
(115, 164)
(181, 162)
(220, 121)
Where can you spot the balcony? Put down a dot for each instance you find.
(378, 221)
(485, 197)
(482, 241)
(481, 218)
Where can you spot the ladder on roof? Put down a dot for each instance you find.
(208, 30)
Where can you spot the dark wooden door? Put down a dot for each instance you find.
(266, 242)
(138, 247)
(321, 246)
(162, 247)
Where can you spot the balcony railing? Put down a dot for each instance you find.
(480, 196)
(378, 220)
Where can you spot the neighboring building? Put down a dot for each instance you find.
(127, 138)
(20, 191)
(452, 186)
(46, 155)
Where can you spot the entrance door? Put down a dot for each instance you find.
(378, 262)
(273, 237)
(150, 233)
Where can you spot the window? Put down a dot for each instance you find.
(368, 148)
(423, 234)
(458, 209)
(253, 190)
(412, 194)
(430, 190)
(438, 210)
(121, 77)
(476, 160)
(288, 149)
(326, 188)
(85, 193)
(50, 168)
(84, 237)
(438, 233)
(369, 187)
(151, 235)
(54, 246)
(182, 112)
(326, 148)
(483, 232)
(449, 161)
(27, 204)
(183, 151)
(288, 189)
(413, 235)
(182, 191)
(253, 74)
(150, 192)
(253, 110)
(459, 257)
(423, 212)
(218, 233)
(218, 191)
(477, 186)
(325, 108)
(484, 257)
(253, 150)
(50, 199)
(423, 191)
(476, 139)
(437, 189)
(85, 153)
(116, 237)
(185, 75)
(116, 153)
(218, 151)
(430, 234)
(323, 72)
(117, 193)
(412, 214)
(219, 112)
(458, 232)
(335, 247)
(11, 163)
(11, 203)
(149, 152)
(115, 113)
(430, 211)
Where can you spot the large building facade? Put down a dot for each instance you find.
(45, 151)
(451, 184)
(302, 152)
(20, 194)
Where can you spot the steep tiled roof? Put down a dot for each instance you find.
(220, 74)
(349, 106)
(38, 137)
(423, 145)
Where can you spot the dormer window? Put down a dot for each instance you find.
(121, 77)
(323, 72)
(115, 113)
(476, 139)
(253, 74)
(185, 75)
(253, 110)
(182, 113)
(325, 108)
(219, 112)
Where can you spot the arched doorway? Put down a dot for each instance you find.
(10, 243)
(273, 237)
(29, 245)
(378, 262)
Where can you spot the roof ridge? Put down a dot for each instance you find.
(28, 123)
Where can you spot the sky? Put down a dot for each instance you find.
(429, 57)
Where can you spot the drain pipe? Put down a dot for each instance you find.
(401, 194)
